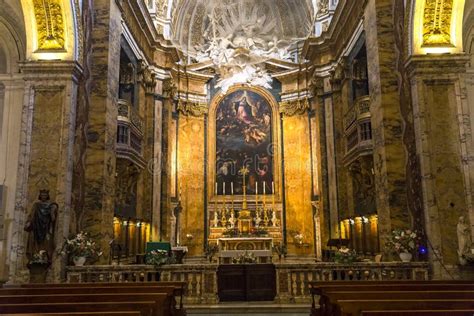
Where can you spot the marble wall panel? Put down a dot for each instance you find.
(297, 157)
(190, 171)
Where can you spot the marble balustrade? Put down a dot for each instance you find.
(291, 278)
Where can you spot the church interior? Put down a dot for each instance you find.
(234, 157)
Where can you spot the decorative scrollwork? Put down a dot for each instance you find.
(437, 22)
(189, 108)
(295, 107)
(49, 24)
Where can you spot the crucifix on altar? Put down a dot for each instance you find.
(245, 220)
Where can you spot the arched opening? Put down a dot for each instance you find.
(12, 50)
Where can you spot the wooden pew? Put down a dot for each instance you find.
(163, 296)
(331, 293)
(355, 307)
(420, 313)
(178, 292)
(79, 314)
(144, 308)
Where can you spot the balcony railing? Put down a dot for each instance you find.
(358, 129)
(129, 133)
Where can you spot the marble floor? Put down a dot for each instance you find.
(249, 308)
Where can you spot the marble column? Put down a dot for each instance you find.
(45, 159)
(387, 125)
(443, 135)
(99, 179)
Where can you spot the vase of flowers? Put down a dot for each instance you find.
(38, 266)
(80, 248)
(345, 255)
(403, 242)
(158, 258)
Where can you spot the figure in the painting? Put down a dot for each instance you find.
(40, 226)
(244, 110)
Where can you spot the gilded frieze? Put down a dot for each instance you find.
(49, 24)
(189, 108)
(437, 21)
(295, 107)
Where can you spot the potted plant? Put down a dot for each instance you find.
(80, 248)
(403, 242)
(281, 250)
(211, 250)
(158, 258)
(345, 255)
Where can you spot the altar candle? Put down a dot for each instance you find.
(256, 187)
(264, 197)
(232, 188)
(273, 187)
(216, 188)
(223, 188)
(264, 188)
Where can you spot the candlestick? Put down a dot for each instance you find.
(264, 197)
(256, 196)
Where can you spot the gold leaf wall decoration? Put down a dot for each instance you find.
(49, 24)
(437, 21)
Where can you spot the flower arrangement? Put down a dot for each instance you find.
(41, 257)
(81, 245)
(246, 257)
(281, 250)
(403, 241)
(211, 250)
(259, 231)
(231, 232)
(345, 255)
(158, 258)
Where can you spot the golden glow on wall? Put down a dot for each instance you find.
(437, 26)
(49, 24)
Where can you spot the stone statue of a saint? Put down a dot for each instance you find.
(40, 226)
(464, 239)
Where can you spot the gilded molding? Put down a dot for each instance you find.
(437, 20)
(49, 24)
(295, 107)
(189, 108)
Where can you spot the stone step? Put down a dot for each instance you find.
(249, 308)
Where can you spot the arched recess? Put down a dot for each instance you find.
(12, 50)
(436, 26)
(53, 30)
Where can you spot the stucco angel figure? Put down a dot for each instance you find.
(464, 239)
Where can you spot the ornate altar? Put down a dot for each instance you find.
(259, 247)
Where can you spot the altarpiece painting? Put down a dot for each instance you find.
(244, 138)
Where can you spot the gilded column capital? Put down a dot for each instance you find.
(437, 20)
(295, 107)
(190, 108)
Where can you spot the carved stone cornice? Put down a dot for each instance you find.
(295, 107)
(190, 108)
(437, 65)
(51, 70)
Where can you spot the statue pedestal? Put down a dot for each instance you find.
(38, 272)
